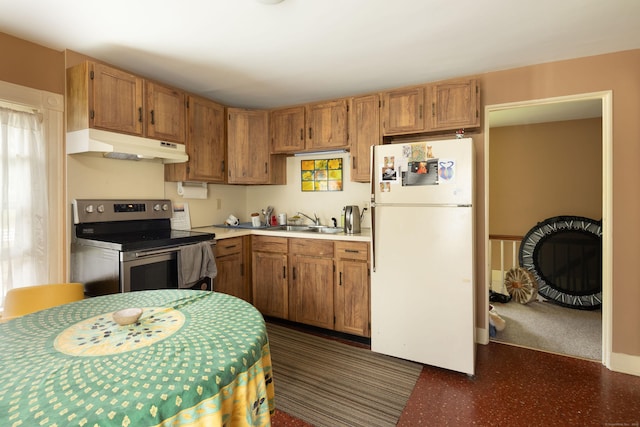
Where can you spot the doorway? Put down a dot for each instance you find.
(563, 108)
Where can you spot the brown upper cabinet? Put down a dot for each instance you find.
(205, 144)
(287, 129)
(166, 112)
(403, 111)
(364, 125)
(249, 160)
(311, 127)
(455, 105)
(104, 97)
(327, 125)
(448, 105)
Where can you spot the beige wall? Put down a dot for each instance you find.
(543, 170)
(619, 73)
(242, 200)
(538, 171)
(31, 65)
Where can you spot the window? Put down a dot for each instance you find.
(32, 243)
(23, 200)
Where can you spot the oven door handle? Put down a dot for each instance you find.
(157, 252)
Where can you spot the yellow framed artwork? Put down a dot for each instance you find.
(321, 175)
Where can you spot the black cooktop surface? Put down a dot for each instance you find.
(137, 237)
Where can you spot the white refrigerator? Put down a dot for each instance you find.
(422, 280)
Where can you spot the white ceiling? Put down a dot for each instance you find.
(247, 53)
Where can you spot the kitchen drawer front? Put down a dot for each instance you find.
(269, 244)
(311, 247)
(352, 250)
(228, 246)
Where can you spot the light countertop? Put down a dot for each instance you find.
(228, 232)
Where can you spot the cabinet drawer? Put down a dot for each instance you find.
(312, 247)
(352, 250)
(269, 244)
(228, 246)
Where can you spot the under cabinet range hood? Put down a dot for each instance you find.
(126, 147)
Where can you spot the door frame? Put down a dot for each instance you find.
(606, 98)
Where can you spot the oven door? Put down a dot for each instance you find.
(153, 269)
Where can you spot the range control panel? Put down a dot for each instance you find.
(109, 210)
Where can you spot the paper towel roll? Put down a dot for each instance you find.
(192, 190)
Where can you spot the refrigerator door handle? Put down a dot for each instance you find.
(373, 208)
(373, 236)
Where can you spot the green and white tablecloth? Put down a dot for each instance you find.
(194, 358)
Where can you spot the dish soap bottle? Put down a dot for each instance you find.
(342, 218)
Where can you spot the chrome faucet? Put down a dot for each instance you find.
(315, 221)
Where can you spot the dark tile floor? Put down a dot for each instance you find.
(513, 387)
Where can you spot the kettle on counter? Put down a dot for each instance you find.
(351, 219)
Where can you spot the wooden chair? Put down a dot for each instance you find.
(21, 301)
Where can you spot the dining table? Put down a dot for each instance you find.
(193, 358)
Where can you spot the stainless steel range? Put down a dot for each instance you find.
(128, 245)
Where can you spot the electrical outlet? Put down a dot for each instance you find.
(219, 203)
(365, 205)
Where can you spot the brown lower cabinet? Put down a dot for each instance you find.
(324, 283)
(269, 275)
(233, 271)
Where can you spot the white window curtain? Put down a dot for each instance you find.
(24, 257)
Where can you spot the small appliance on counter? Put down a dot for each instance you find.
(351, 219)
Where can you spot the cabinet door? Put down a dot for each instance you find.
(270, 291)
(352, 297)
(205, 141)
(455, 105)
(327, 125)
(232, 277)
(352, 288)
(166, 113)
(287, 130)
(403, 111)
(115, 100)
(247, 146)
(364, 122)
(312, 291)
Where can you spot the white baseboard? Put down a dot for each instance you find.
(625, 363)
(482, 336)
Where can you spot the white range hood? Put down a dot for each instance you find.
(127, 147)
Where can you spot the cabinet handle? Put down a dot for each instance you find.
(310, 133)
(433, 109)
(153, 120)
(230, 246)
(353, 251)
(284, 272)
(341, 278)
(242, 269)
(353, 162)
(222, 166)
(140, 114)
(294, 273)
(301, 134)
(420, 110)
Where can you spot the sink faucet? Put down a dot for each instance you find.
(316, 221)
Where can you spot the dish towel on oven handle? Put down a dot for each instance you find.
(194, 263)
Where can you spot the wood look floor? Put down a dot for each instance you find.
(515, 386)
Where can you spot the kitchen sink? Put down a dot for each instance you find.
(327, 229)
(310, 228)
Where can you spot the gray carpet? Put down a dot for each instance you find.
(553, 328)
(328, 383)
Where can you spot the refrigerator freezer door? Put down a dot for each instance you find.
(433, 172)
(422, 291)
